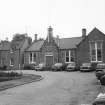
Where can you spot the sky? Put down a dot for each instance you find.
(66, 17)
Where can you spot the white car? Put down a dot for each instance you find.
(40, 67)
(71, 67)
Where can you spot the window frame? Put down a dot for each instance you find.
(96, 50)
(69, 57)
(11, 62)
(32, 60)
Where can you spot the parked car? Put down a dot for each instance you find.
(102, 80)
(40, 67)
(29, 67)
(71, 67)
(57, 67)
(100, 70)
(100, 100)
(86, 67)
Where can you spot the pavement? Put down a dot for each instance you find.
(57, 88)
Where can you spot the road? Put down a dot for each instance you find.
(57, 88)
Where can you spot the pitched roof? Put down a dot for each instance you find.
(69, 43)
(35, 46)
(5, 45)
(96, 30)
(64, 43)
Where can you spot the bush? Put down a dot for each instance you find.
(14, 74)
(9, 74)
(3, 67)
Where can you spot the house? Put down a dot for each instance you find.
(12, 53)
(52, 50)
(86, 48)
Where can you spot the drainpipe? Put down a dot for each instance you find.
(19, 59)
(19, 62)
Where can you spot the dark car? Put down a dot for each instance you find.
(100, 100)
(100, 70)
(86, 67)
(29, 66)
(71, 67)
(57, 67)
(40, 67)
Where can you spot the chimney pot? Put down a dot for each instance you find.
(36, 37)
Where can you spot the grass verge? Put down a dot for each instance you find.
(26, 78)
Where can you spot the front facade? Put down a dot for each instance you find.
(52, 50)
(85, 49)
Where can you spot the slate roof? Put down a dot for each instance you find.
(35, 46)
(6, 45)
(69, 43)
(64, 43)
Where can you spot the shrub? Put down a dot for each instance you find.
(14, 74)
(4, 67)
(9, 74)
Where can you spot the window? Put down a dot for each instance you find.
(11, 62)
(32, 57)
(96, 51)
(69, 56)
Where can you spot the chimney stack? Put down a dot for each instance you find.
(83, 32)
(36, 37)
(50, 33)
(58, 40)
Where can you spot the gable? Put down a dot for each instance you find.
(35, 46)
(94, 35)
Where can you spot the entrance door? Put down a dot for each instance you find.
(49, 61)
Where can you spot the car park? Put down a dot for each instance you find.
(71, 67)
(86, 67)
(100, 70)
(40, 67)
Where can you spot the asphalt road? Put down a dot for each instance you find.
(57, 88)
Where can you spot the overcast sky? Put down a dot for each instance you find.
(67, 17)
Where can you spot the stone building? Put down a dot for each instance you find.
(52, 50)
(84, 49)
(12, 53)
